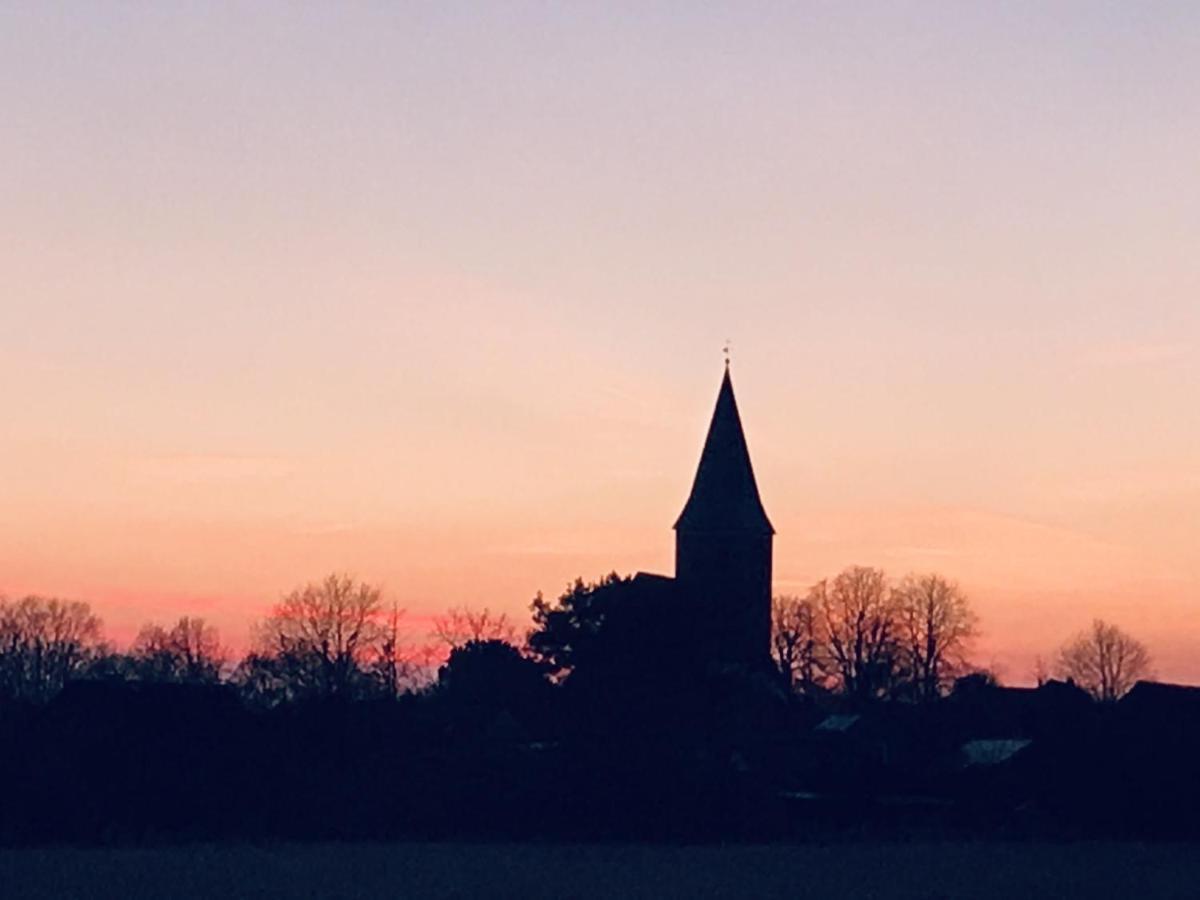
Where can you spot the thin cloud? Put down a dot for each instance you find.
(1136, 354)
(212, 467)
(906, 552)
(321, 529)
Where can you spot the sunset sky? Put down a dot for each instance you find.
(436, 293)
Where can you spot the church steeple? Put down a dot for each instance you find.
(724, 494)
(723, 544)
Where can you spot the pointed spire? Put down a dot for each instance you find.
(724, 495)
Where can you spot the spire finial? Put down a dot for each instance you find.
(725, 350)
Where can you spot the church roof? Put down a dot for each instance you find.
(724, 495)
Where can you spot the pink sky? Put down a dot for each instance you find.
(436, 295)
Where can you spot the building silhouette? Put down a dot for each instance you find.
(723, 544)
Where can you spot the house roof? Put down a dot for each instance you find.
(992, 752)
(838, 722)
(1157, 694)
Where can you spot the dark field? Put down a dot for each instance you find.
(904, 870)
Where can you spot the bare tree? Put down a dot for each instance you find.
(935, 625)
(391, 667)
(189, 652)
(422, 662)
(322, 637)
(264, 679)
(1105, 661)
(43, 643)
(859, 624)
(461, 625)
(796, 642)
(1041, 674)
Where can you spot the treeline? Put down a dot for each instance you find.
(856, 635)
(329, 639)
(862, 636)
(608, 717)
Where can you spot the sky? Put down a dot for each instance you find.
(435, 293)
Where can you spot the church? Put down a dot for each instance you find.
(723, 544)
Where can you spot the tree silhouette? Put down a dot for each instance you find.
(1105, 661)
(935, 624)
(43, 643)
(264, 679)
(319, 640)
(493, 674)
(567, 630)
(858, 616)
(189, 652)
(390, 665)
(796, 642)
(460, 625)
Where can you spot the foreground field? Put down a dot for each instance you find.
(917, 871)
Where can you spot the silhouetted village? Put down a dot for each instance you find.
(647, 707)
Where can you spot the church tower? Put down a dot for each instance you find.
(723, 543)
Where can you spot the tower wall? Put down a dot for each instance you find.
(727, 576)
